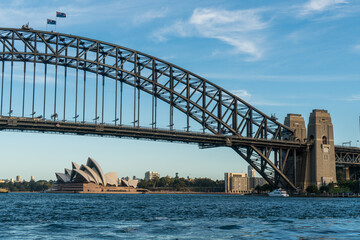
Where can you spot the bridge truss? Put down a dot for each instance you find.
(347, 156)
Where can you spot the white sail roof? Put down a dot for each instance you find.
(96, 167)
(81, 176)
(61, 177)
(111, 179)
(92, 173)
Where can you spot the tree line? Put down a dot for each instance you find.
(342, 185)
(183, 184)
(24, 186)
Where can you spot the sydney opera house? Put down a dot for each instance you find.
(90, 178)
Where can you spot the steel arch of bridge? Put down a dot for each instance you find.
(226, 119)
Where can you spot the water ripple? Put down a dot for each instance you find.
(59, 216)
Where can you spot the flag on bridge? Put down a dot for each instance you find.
(60, 15)
(52, 22)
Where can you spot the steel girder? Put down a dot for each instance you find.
(41, 125)
(270, 162)
(347, 155)
(219, 112)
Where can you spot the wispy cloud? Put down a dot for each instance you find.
(357, 48)
(282, 78)
(18, 12)
(355, 97)
(317, 6)
(241, 93)
(239, 29)
(179, 28)
(151, 15)
(256, 100)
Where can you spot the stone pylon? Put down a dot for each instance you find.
(296, 122)
(300, 177)
(322, 149)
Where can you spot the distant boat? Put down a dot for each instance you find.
(278, 193)
(3, 190)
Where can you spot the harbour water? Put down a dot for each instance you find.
(147, 216)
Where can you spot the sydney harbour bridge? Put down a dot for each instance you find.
(53, 82)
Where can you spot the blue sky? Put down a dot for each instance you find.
(280, 56)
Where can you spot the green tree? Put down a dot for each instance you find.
(312, 189)
(340, 175)
(324, 188)
(164, 182)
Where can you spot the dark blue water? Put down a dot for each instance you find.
(76, 216)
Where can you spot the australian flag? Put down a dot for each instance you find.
(60, 15)
(52, 22)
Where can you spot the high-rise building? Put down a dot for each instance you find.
(256, 181)
(32, 178)
(18, 178)
(253, 180)
(149, 175)
(251, 172)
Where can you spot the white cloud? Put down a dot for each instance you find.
(355, 97)
(224, 21)
(18, 12)
(150, 15)
(282, 78)
(179, 28)
(269, 103)
(257, 101)
(357, 47)
(316, 6)
(239, 29)
(243, 94)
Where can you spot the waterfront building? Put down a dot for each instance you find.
(18, 178)
(242, 182)
(32, 179)
(90, 178)
(236, 183)
(149, 175)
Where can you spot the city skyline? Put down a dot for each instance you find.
(288, 57)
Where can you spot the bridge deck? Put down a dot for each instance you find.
(41, 125)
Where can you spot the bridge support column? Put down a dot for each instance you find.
(322, 149)
(347, 173)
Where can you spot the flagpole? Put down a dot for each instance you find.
(55, 22)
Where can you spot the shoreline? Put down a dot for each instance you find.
(202, 193)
